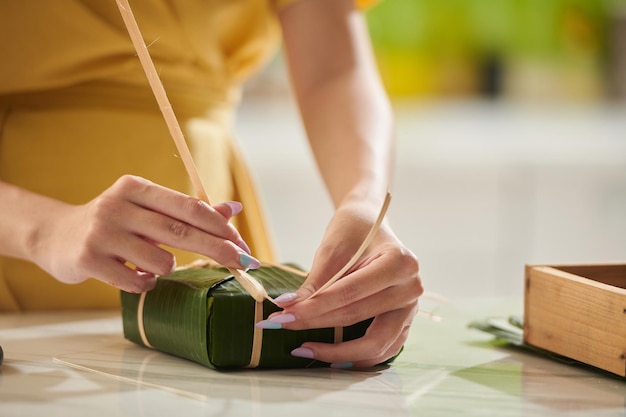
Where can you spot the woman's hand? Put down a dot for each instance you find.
(125, 226)
(384, 284)
(349, 124)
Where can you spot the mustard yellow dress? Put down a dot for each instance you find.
(76, 112)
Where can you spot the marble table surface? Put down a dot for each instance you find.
(79, 364)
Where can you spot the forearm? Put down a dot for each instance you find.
(344, 108)
(350, 130)
(22, 214)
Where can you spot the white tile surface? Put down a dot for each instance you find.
(77, 364)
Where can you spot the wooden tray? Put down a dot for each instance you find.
(578, 311)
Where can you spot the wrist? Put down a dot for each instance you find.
(25, 216)
(368, 196)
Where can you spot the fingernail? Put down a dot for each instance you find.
(341, 365)
(286, 297)
(283, 318)
(235, 207)
(248, 261)
(303, 353)
(266, 324)
(243, 245)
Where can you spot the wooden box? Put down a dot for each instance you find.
(578, 311)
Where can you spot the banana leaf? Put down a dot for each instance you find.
(205, 315)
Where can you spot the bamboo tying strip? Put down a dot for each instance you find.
(251, 285)
(140, 325)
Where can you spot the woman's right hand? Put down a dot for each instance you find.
(125, 226)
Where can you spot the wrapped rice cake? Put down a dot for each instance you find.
(205, 315)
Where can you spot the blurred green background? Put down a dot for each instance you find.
(522, 49)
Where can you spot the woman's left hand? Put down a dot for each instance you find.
(349, 124)
(383, 284)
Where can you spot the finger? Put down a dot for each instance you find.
(228, 209)
(153, 226)
(327, 262)
(115, 273)
(400, 262)
(314, 281)
(180, 235)
(360, 295)
(146, 256)
(177, 206)
(382, 340)
(313, 314)
(330, 258)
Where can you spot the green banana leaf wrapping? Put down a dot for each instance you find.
(206, 316)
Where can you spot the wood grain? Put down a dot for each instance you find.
(579, 317)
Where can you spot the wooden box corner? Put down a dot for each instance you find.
(578, 311)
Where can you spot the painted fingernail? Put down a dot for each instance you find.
(286, 297)
(248, 261)
(303, 353)
(283, 318)
(235, 207)
(341, 365)
(243, 245)
(266, 324)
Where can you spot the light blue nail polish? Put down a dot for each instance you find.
(341, 365)
(286, 297)
(303, 353)
(266, 324)
(283, 318)
(248, 261)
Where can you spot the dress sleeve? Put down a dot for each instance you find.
(361, 4)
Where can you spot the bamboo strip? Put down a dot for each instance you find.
(161, 96)
(142, 330)
(255, 289)
(257, 337)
